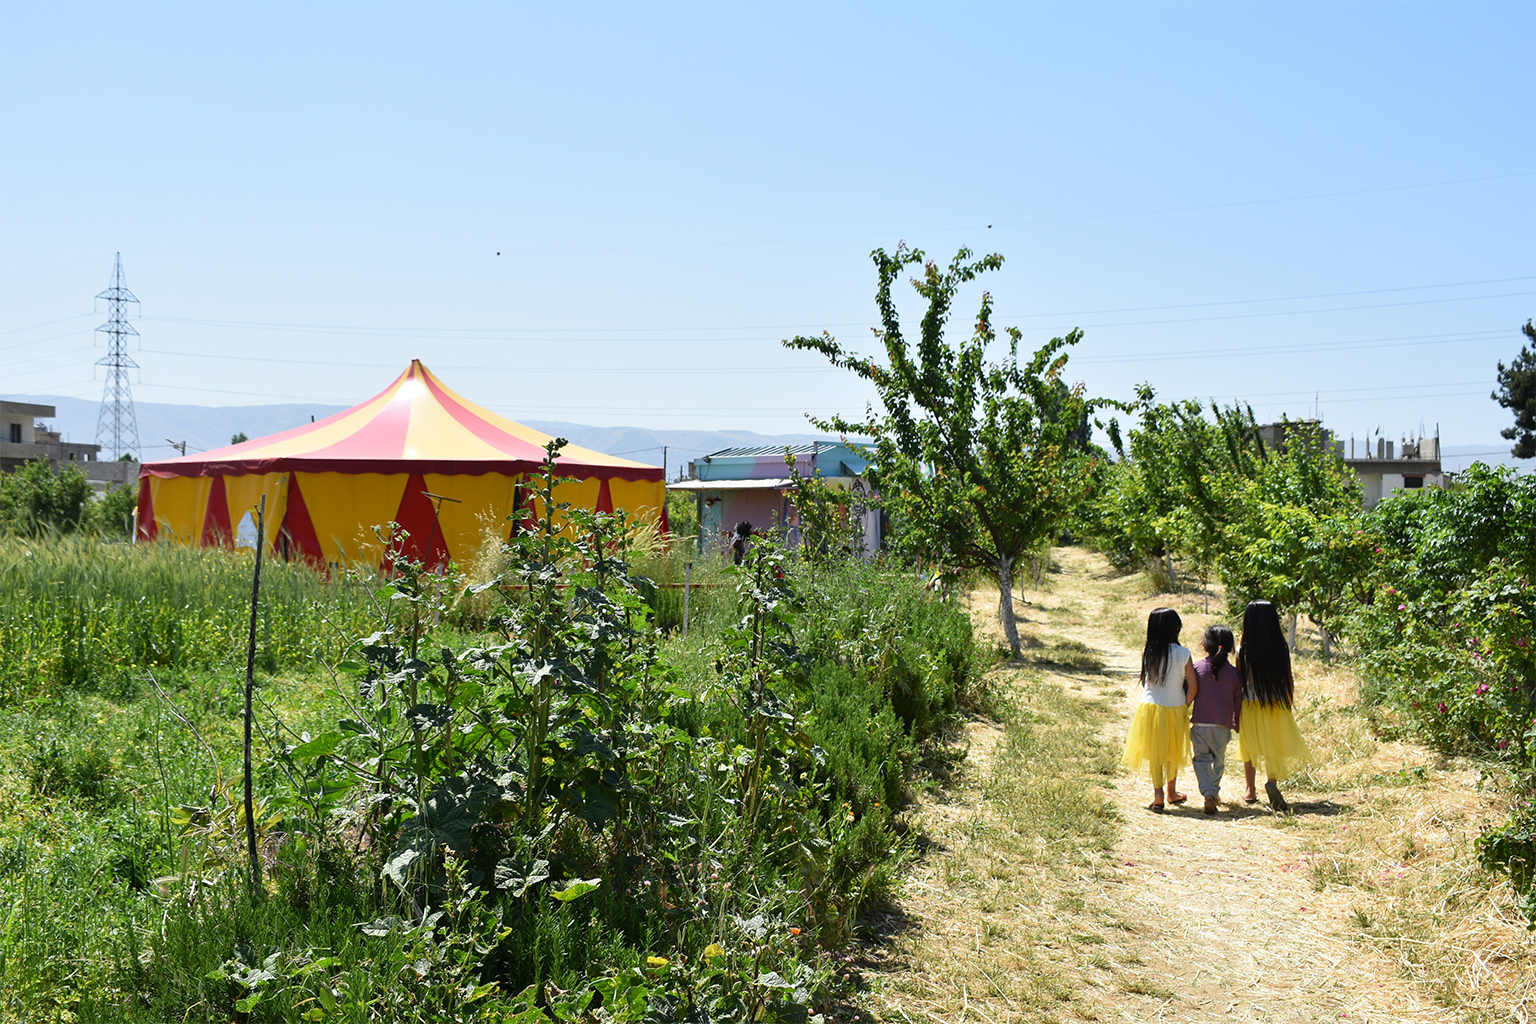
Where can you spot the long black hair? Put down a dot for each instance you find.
(1265, 660)
(1218, 643)
(1163, 627)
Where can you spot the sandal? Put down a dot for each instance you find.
(1181, 798)
(1276, 801)
(1156, 808)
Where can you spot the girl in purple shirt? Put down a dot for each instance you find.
(1217, 706)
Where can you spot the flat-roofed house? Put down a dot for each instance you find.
(752, 485)
(23, 439)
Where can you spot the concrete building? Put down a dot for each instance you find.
(23, 439)
(1409, 465)
(753, 484)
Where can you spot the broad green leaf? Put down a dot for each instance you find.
(577, 889)
(321, 745)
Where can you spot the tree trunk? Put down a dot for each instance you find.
(1322, 631)
(1005, 603)
(1293, 634)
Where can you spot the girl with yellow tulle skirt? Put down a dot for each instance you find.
(1269, 738)
(1159, 733)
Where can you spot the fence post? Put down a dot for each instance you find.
(250, 686)
(687, 592)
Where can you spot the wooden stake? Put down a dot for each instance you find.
(687, 589)
(250, 686)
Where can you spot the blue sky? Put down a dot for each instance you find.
(1328, 205)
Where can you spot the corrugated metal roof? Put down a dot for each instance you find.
(757, 453)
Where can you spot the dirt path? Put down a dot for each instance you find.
(1184, 918)
(1229, 897)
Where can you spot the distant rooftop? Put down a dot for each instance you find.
(27, 409)
(766, 450)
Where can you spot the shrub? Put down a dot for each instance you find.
(1446, 635)
(35, 501)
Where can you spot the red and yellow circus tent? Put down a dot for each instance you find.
(329, 484)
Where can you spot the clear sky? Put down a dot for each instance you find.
(612, 214)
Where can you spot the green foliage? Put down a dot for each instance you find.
(1296, 537)
(83, 615)
(35, 501)
(683, 518)
(980, 461)
(1517, 393)
(829, 528)
(1446, 633)
(1174, 491)
(563, 812)
(111, 515)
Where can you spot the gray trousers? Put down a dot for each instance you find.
(1210, 745)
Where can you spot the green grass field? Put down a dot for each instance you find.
(121, 688)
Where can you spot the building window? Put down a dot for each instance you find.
(1413, 482)
(15, 432)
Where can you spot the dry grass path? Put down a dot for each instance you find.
(1048, 891)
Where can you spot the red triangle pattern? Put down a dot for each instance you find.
(296, 537)
(147, 525)
(418, 518)
(216, 531)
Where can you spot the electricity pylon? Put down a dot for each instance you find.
(117, 429)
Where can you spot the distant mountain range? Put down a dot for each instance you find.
(1456, 457)
(205, 427)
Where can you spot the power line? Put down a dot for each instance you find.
(1226, 350)
(1284, 298)
(47, 355)
(1289, 312)
(1378, 398)
(50, 323)
(685, 370)
(1079, 359)
(538, 333)
(1386, 387)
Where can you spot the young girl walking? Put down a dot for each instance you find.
(1159, 735)
(1269, 737)
(1215, 712)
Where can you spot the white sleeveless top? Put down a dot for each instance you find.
(1168, 691)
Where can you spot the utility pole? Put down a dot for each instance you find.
(180, 446)
(117, 428)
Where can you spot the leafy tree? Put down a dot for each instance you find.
(828, 527)
(1295, 536)
(111, 515)
(1174, 489)
(1517, 392)
(975, 457)
(238, 438)
(682, 515)
(1446, 636)
(34, 500)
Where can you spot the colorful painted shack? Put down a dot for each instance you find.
(752, 485)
